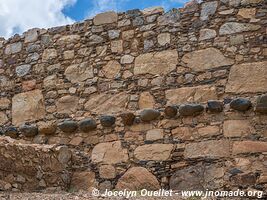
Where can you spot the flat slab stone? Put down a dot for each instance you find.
(28, 106)
(190, 94)
(240, 147)
(208, 149)
(247, 77)
(235, 27)
(107, 103)
(109, 153)
(106, 18)
(204, 59)
(156, 152)
(156, 63)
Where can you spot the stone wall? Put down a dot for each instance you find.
(146, 98)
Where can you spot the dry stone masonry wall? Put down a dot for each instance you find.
(142, 99)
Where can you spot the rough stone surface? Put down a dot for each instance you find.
(105, 18)
(27, 106)
(49, 54)
(190, 94)
(107, 103)
(136, 179)
(47, 128)
(208, 149)
(171, 17)
(146, 100)
(240, 147)
(171, 111)
(107, 172)
(237, 128)
(206, 59)
(151, 63)
(109, 153)
(154, 134)
(23, 70)
(240, 104)
(3, 118)
(208, 9)
(164, 38)
(247, 77)
(78, 73)
(67, 104)
(4, 103)
(155, 152)
(235, 27)
(128, 118)
(13, 48)
(261, 106)
(111, 69)
(206, 34)
(84, 180)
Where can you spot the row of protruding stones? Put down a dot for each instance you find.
(146, 115)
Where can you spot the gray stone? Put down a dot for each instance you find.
(240, 104)
(127, 59)
(190, 109)
(208, 9)
(31, 35)
(87, 125)
(95, 39)
(113, 34)
(106, 18)
(23, 70)
(235, 27)
(68, 126)
(215, 106)
(171, 111)
(261, 106)
(149, 115)
(13, 48)
(28, 130)
(171, 17)
(206, 34)
(107, 120)
(138, 21)
(11, 131)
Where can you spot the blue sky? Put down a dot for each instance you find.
(87, 8)
(17, 16)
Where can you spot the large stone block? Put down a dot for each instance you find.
(68, 39)
(109, 153)
(248, 77)
(107, 103)
(156, 63)
(155, 152)
(111, 69)
(136, 179)
(67, 104)
(28, 106)
(204, 59)
(79, 72)
(240, 147)
(237, 128)
(106, 18)
(235, 27)
(208, 149)
(191, 94)
(13, 48)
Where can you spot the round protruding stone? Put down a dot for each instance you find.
(87, 125)
(149, 115)
(190, 109)
(215, 106)
(107, 120)
(171, 111)
(261, 105)
(240, 104)
(68, 126)
(28, 130)
(128, 118)
(47, 127)
(11, 132)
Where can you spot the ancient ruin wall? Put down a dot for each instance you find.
(89, 85)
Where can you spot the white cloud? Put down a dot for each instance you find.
(100, 6)
(17, 16)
